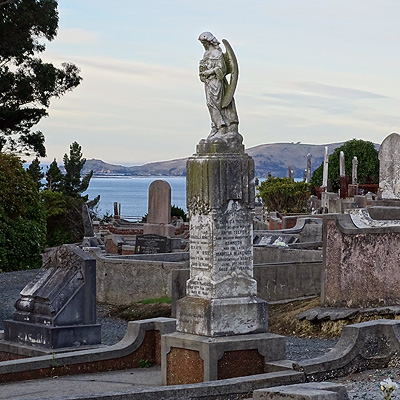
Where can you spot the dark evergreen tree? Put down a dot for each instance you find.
(35, 171)
(73, 184)
(53, 177)
(26, 82)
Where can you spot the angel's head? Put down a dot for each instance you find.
(208, 38)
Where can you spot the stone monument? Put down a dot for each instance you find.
(291, 173)
(308, 168)
(221, 324)
(343, 180)
(325, 169)
(58, 307)
(353, 188)
(389, 167)
(159, 211)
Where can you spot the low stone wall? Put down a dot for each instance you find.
(287, 281)
(361, 265)
(278, 254)
(125, 279)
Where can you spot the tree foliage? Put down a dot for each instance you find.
(368, 164)
(73, 183)
(22, 217)
(63, 198)
(284, 195)
(26, 82)
(53, 176)
(178, 212)
(35, 171)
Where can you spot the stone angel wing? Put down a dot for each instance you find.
(233, 69)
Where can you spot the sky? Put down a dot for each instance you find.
(310, 71)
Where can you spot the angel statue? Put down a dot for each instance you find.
(213, 70)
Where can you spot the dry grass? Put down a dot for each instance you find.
(282, 320)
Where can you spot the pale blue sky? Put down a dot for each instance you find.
(315, 71)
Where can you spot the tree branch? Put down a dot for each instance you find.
(2, 3)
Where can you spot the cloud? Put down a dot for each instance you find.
(334, 91)
(76, 36)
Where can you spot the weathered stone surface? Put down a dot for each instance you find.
(221, 317)
(360, 264)
(159, 211)
(389, 167)
(214, 179)
(122, 280)
(367, 345)
(221, 292)
(58, 308)
(304, 391)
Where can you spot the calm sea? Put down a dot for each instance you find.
(132, 193)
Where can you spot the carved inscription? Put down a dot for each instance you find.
(201, 242)
(220, 250)
(196, 287)
(233, 244)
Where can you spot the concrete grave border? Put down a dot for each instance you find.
(141, 341)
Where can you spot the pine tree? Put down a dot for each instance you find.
(35, 171)
(73, 184)
(53, 177)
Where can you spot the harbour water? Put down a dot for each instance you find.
(132, 193)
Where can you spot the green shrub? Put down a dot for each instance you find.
(284, 195)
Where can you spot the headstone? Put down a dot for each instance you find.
(343, 180)
(291, 175)
(58, 308)
(87, 222)
(116, 211)
(354, 178)
(389, 167)
(308, 168)
(151, 244)
(325, 169)
(353, 188)
(221, 313)
(342, 167)
(159, 211)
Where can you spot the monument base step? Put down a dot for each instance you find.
(222, 317)
(52, 337)
(187, 358)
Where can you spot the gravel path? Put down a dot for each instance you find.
(364, 385)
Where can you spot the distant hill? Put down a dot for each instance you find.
(275, 158)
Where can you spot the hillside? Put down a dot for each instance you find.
(275, 158)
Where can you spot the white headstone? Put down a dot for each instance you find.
(325, 170)
(389, 167)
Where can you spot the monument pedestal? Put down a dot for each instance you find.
(192, 359)
(221, 317)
